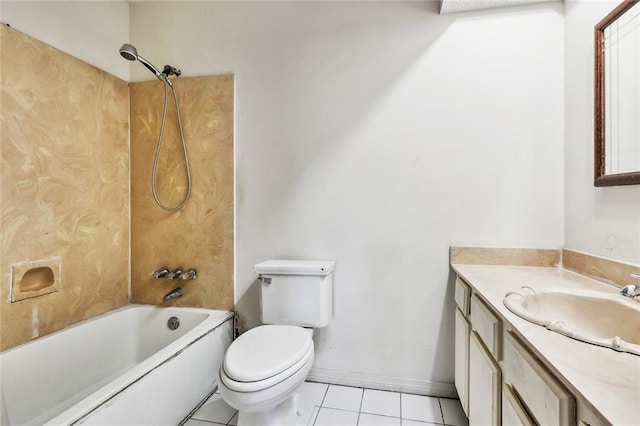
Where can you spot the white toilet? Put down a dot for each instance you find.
(264, 367)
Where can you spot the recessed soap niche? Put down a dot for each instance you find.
(34, 278)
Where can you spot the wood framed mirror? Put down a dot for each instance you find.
(617, 96)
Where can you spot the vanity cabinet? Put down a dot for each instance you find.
(477, 346)
(498, 379)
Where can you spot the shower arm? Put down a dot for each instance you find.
(148, 65)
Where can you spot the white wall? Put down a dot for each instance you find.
(601, 221)
(377, 134)
(92, 31)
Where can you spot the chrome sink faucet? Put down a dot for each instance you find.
(631, 290)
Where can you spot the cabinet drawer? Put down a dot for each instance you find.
(462, 295)
(487, 325)
(547, 400)
(513, 413)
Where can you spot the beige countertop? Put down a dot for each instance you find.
(607, 382)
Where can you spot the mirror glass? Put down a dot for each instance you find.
(617, 106)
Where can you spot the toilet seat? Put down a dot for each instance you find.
(265, 356)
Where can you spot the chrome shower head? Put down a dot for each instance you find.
(130, 53)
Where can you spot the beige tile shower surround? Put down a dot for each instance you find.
(606, 381)
(64, 184)
(64, 188)
(201, 234)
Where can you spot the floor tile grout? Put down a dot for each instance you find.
(324, 395)
(360, 407)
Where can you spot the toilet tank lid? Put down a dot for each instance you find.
(295, 267)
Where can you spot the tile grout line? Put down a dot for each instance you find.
(360, 408)
(229, 422)
(378, 415)
(206, 421)
(232, 416)
(441, 411)
(326, 391)
(351, 411)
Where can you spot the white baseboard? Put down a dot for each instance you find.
(369, 381)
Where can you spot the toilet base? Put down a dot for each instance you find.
(294, 411)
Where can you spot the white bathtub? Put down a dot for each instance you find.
(125, 367)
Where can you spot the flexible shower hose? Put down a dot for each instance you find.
(159, 145)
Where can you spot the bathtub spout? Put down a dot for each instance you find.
(173, 294)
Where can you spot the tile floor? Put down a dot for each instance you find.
(347, 406)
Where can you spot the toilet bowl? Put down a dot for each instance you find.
(262, 371)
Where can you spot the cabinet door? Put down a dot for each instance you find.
(513, 414)
(462, 330)
(484, 385)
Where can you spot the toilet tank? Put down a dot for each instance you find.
(296, 292)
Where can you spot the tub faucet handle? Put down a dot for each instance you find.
(176, 273)
(191, 274)
(161, 273)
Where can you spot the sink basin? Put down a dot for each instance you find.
(604, 319)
